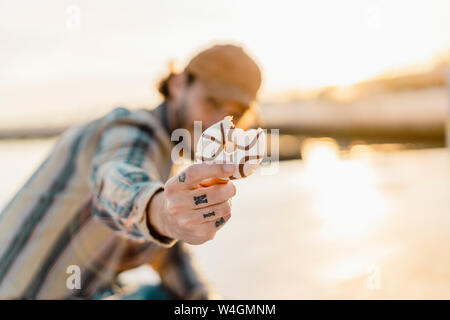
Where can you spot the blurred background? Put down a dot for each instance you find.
(360, 204)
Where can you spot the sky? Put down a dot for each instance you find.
(128, 43)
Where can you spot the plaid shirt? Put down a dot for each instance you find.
(86, 205)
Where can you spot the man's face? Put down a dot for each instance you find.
(195, 104)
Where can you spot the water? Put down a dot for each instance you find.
(364, 224)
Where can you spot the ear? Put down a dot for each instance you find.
(176, 85)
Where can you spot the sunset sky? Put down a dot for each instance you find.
(300, 44)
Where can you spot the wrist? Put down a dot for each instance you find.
(155, 217)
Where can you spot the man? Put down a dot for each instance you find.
(101, 202)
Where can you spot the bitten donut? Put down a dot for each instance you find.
(223, 143)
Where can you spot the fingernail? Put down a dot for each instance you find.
(228, 167)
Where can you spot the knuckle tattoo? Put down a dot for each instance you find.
(209, 214)
(200, 199)
(182, 177)
(220, 222)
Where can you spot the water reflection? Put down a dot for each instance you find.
(346, 195)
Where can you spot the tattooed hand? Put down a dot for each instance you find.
(190, 209)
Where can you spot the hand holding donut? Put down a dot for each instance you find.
(196, 203)
(188, 211)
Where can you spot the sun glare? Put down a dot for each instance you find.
(346, 197)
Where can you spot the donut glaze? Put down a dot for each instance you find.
(223, 143)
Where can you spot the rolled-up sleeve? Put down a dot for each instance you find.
(125, 179)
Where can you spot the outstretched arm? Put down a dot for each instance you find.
(126, 197)
(125, 179)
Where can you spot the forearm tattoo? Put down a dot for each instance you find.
(220, 222)
(209, 214)
(182, 177)
(200, 199)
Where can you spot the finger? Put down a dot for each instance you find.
(198, 172)
(213, 226)
(212, 213)
(212, 181)
(207, 231)
(204, 197)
